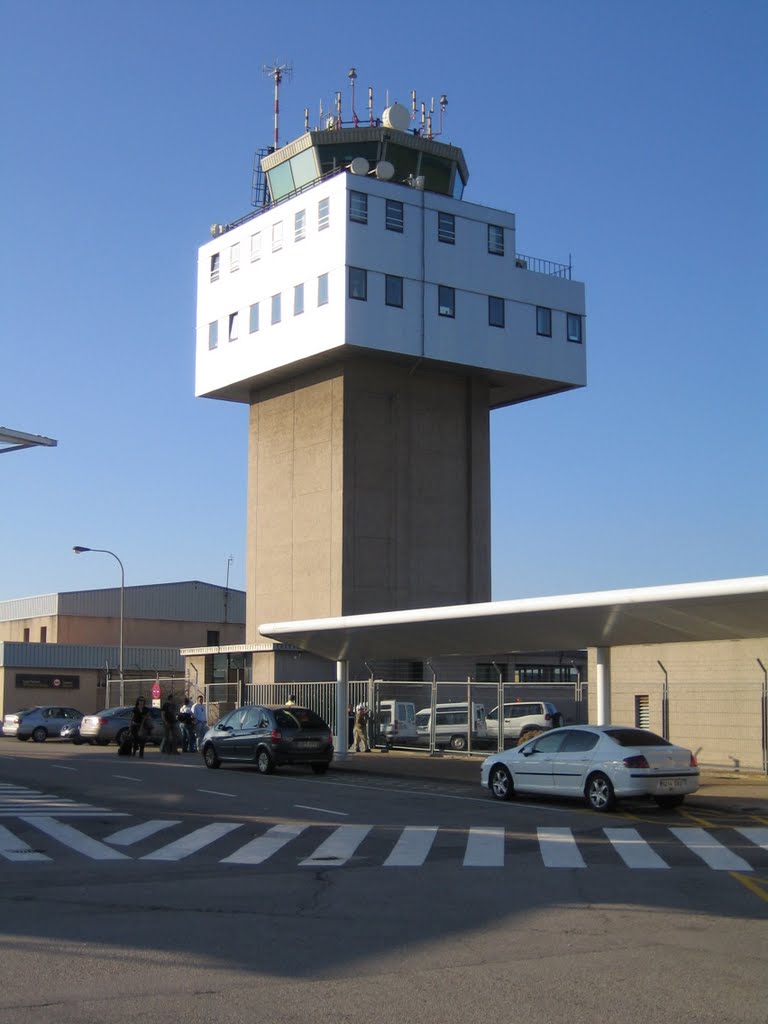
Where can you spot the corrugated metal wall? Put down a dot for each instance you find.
(28, 607)
(82, 656)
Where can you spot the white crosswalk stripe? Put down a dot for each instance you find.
(713, 853)
(633, 849)
(340, 845)
(17, 800)
(485, 848)
(558, 848)
(412, 847)
(335, 846)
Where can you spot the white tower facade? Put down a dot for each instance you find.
(371, 318)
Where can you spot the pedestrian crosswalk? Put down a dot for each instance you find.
(39, 838)
(16, 800)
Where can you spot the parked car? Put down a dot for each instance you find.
(114, 723)
(71, 733)
(524, 719)
(452, 725)
(599, 763)
(396, 721)
(269, 736)
(39, 722)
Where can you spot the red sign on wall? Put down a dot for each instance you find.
(155, 691)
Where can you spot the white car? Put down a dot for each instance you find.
(524, 719)
(599, 763)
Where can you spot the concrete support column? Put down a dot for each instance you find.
(603, 685)
(341, 743)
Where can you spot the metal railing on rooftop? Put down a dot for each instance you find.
(539, 266)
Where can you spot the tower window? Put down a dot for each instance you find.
(495, 311)
(446, 300)
(446, 228)
(253, 323)
(544, 321)
(323, 214)
(300, 225)
(393, 291)
(256, 247)
(358, 207)
(358, 283)
(298, 299)
(277, 236)
(234, 257)
(213, 334)
(233, 318)
(43, 634)
(322, 290)
(215, 263)
(394, 215)
(574, 328)
(276, 309)
(495, 240)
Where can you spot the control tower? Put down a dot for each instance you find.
(371, 318)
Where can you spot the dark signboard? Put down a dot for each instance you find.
(55, 682)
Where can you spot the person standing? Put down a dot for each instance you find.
(201, 719)
(170, 723)
(141, 725)
(187, 723)
(361, 728)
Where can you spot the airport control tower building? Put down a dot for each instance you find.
(371, 318)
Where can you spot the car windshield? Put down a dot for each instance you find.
(25, 711)
(298, 718)
(636, 738)
(385, 717)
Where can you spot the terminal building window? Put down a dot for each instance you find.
(358, 207)
(446, 228)
(322, 290)
(276, 309)
(393, 291)
(394, 215)
(544, 321)
(358, 284)
(495, 311)
(323, 214)
(256, 247)
(233, 326)
(298, 299)
(234, 257)
(495, 240)
(253, 324)
(300, 226)
(446, 301)
(574, 328)
(213, 334)
(215, 266)
(277, 236)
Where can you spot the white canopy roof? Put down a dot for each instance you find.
(716, 610)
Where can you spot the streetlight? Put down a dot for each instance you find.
(78, 549)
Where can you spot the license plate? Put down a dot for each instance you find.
(665, 785)
(306, 743)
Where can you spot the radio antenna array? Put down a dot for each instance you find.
(277, 72)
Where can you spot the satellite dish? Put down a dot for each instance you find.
(385, 171)
(396, 117)
(360, 165)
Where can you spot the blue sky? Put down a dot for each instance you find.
(632, 136)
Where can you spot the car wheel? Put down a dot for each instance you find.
(500, 783)
(264, 762)
(40, 734)
(458, 743)
(319, 769)
(669, 801)
(209, 756)
(599, 792)
(22, 738)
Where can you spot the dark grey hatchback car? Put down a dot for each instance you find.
(269, 736)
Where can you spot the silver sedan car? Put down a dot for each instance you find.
(599, 763)
(40, 722)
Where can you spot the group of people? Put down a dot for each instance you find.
(185, 724)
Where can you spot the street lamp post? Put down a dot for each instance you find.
(103, 551)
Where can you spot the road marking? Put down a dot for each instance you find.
(633, 849)
(712, 852)
(758, 836)
(195, 841)
(338, 847)
(16, 800)
(76, 840)
(65, 768)
(321, 810)
(262, 847)
(215, 792)
(16, 849)
(128, 778)
(412, 847)
(135, 833)
(559, 849)
(485, 848)
(758, 886)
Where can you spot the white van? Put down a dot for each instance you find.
(451, 726)
(397, 721)
(524, 719)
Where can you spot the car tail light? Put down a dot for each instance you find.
(638, 761)
(694, 762)
(330, 738)
(547, 718)
(102, 721)
(276, 736)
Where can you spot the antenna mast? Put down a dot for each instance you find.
(275, 72)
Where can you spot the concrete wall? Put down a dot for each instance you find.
(88, 698)
(715, 694)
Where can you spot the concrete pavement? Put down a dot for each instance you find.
(721, 789)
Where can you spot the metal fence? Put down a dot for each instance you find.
(124, 692)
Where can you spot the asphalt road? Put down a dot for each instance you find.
(159, 890)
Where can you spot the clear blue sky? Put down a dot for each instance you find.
(632, 135)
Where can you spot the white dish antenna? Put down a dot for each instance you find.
(360, 165)
(396, 117)
(385, 171)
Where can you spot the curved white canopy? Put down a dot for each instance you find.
(716, 610)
